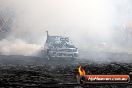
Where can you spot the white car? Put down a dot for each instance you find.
(59, 47)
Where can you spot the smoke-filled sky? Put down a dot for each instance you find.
(99, 25)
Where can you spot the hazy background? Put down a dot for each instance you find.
(93, 25)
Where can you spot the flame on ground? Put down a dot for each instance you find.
(81, 71)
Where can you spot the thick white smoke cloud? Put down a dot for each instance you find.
(18, 47)
(91, 24)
